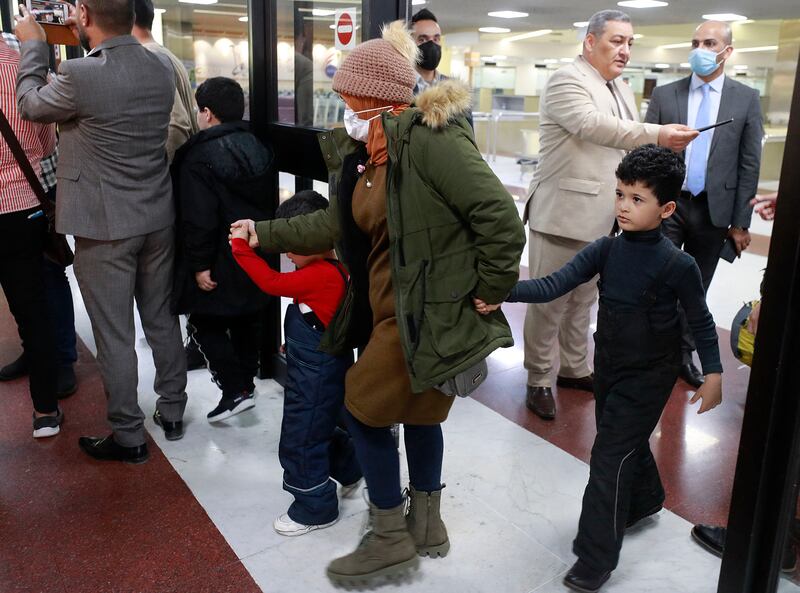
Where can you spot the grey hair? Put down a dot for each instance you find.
(598, 21)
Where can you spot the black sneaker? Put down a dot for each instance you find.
(172, 430)
(47, 426)
(228, 407)
(15, 370)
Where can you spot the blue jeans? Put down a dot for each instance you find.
(313, 448)
(377, 454)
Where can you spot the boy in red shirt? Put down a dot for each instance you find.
(313, 449)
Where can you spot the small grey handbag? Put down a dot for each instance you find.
(466, 381)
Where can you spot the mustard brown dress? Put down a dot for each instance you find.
(377, 388)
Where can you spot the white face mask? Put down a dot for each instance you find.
(358, 128)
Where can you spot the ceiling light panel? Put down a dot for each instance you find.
(642, 3)
(494, 30)
(532, 34)
(728, 17)
(508, 14)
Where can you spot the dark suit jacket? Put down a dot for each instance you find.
(114, 108)
(735, 157)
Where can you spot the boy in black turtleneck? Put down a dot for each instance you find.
(643, 277)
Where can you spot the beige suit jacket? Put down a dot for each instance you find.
(582, 138)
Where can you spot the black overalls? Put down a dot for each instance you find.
(636, 364)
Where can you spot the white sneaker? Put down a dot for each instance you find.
(284, 525)
(347, 491)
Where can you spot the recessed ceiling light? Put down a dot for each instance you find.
(159, 10)
(676, 45)
(567, 60)
(323, 12)
(550, 61)
(741, 67)
(685, 65)
(662, 66)
(508, 14)
(747, 50)
(724, 16)
(243, 19)
(494, 30)
(197, 1)
(520, 37)
(580, 24)
(638, 36)
(642, 3)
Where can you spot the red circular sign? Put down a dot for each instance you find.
(345, 29)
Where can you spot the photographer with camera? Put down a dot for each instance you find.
(114, 197)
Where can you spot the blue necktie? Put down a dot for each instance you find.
(698, 161)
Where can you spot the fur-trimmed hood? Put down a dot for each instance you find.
(443, 102)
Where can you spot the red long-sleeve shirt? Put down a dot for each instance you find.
(319, 285)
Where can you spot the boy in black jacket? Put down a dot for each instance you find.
(219, 177)
(643, 277)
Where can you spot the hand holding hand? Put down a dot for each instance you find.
(240, 232)
(482, 307)
(27, 29)
(250, 226)
(204, 281)
(710, 392)
(676, 137)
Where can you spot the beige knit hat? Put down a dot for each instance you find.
(381, 68)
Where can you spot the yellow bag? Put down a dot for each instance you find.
(742, 340)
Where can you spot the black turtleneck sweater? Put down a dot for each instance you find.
(634, 261)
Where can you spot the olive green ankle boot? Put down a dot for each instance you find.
(425, 523)
(386, 550)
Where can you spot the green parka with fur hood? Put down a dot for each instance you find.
(454, 233)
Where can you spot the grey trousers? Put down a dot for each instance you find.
(110, 275)
(564, 320)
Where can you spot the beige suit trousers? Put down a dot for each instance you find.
(565, 319)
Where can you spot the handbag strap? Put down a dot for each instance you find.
(21, 158)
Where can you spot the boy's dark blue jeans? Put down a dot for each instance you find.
(312, 448)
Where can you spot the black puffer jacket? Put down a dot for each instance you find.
(219, 176)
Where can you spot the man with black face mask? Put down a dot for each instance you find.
(426, 32)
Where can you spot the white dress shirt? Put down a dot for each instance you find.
(695, 97)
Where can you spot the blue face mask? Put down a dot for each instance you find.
(703, 61)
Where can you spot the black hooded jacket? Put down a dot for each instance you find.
(219, 176)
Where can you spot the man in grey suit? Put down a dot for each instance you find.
(114, 196)
(722, 164)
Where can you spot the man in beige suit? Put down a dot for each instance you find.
(588, 119)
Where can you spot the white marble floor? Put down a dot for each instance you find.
(511, 503)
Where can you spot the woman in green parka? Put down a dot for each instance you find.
(423, 226)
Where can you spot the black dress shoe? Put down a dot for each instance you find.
(194, 358)
(107, 449)
(66, 384)
(15, 370)
(540, 401)
(580, 383)
(711, 537)
(172, 430)
(691, 375)
(584, 579)
(633, 520)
